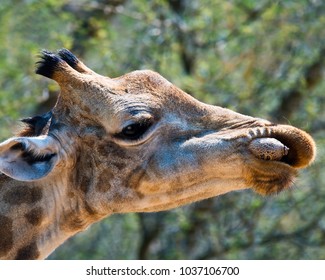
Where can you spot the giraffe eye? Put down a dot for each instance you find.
(134, 131)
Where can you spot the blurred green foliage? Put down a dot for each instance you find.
(259, 57)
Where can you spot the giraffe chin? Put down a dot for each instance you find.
(271, 177)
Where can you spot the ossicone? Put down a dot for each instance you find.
(52, 64)
(48, 64)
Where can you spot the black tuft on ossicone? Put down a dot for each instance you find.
(48, 64)
(68, 57)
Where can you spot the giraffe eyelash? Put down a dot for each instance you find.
(135, 131)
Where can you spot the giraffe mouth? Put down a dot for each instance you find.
(284, 143)
(278, 154)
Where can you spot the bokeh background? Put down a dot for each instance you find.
(258, 57)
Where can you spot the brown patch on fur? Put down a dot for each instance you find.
(83, 176)
(35, 216)
(23, 194)
(6, 234)
(103, 184)
(3, 179)
(119, 165)
(84, 183)
(135, 177)
(29, 252)
(71, 194)
(90, 210)
(111, 149)
(74, 222)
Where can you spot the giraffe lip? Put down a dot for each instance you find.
(268, 177)
(285, 144)
(301, 147)
(272, 176)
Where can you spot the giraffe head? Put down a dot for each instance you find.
(139, 143)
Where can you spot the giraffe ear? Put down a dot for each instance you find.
(28, 158)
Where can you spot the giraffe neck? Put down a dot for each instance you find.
(34, 219)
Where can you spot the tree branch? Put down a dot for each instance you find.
(311, 76)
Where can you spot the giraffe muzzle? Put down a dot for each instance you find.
(284, 143)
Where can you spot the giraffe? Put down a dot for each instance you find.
(135, 143)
